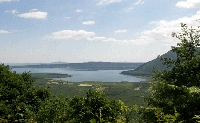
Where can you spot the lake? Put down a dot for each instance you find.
(80, 76)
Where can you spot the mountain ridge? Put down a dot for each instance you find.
(147, 68)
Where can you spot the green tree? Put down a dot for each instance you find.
(19, 99)
(54, 110)
(175, 95)
(186, 67)
(128, 113)
(95, 106)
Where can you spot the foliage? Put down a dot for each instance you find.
(54, 110)
(180, 103)
(94, 106)
(197, 118)
(176, 94)
(19, 99)
(128, 114)
(186, 67)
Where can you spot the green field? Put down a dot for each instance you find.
(129, 92)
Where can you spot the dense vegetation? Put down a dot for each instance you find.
(175, 95)
(20, 101)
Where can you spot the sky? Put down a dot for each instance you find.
(44, 31)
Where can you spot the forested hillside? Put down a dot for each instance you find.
(147, 68)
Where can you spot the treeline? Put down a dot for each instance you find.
(87, 66)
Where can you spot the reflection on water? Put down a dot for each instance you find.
(80, 76)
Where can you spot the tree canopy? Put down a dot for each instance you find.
(20, 100)
(175, 95)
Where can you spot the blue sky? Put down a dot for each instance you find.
(91, 30)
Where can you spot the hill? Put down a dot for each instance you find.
(147, 68)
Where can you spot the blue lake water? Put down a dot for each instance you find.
(80, 76)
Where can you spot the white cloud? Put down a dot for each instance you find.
(138, 2)
(4, 32)
(120, 31)
(128, 9)
(78, 10)
(70, 34)
(105, 2)
(34, 14)
(1, 1)
(96, 38)
(32, 10)
(160, 34)
(188, 4)
(104, 39)
(88, 22)
(14, 11)
(81, 34)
